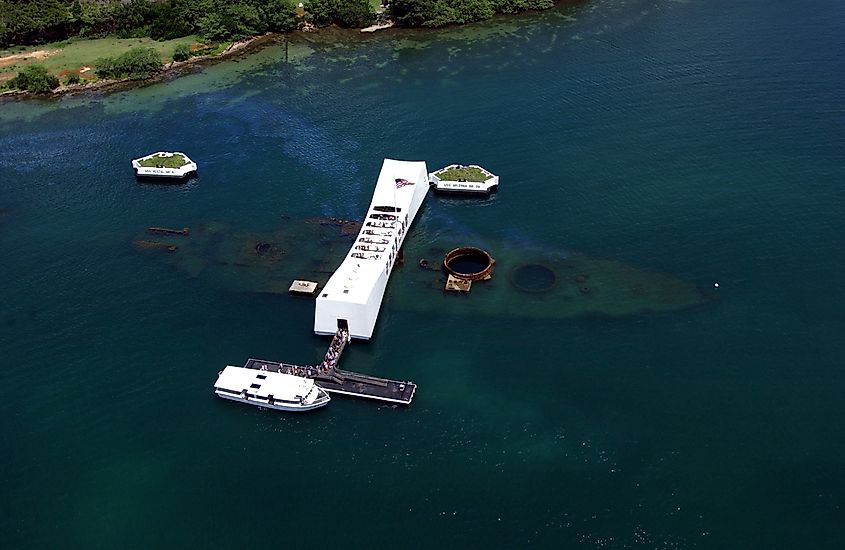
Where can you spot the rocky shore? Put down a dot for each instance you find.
(168, 71)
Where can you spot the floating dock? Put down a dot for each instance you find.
(327, 376)
(349, 304)
(347, 383)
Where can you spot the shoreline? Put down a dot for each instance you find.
(242, 48)
(168, 70)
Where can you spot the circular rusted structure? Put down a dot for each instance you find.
(469, 263)
(533, 278)
(263, 248)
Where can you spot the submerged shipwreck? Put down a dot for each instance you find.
(351, 263)
(347, 307)
(527, 282)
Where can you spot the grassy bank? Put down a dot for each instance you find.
(79, 55)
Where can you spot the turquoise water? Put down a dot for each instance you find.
(701, 139)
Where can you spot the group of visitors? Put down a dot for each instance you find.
(333, 354)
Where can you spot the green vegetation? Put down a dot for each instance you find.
(73, 78)
(174, 161)
(437, 13)
(77, 53)
(74, 56)
(182, 52)
(137, 63)
(467, 173)
(72, 30)
(217, 20)
(35, 78)
(40, 21)
(214, 49)
(344, 13)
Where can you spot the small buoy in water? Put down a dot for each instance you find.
(716, 285)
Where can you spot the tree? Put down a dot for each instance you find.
(35, 78)
(140, 63)
(231, 21)
(514, 6)
(242, 19)
(354, 13)
(178, 18)
(37, 21)
(182, 52)
(423, 13)
(131, 19)
(280, 15)
(436, 13)
(467, 11)
(320, 12)
(137, 63)
(32, 22)
(346, 13)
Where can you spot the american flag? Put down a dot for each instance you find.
(402, 183)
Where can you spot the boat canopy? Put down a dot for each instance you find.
(264, 383)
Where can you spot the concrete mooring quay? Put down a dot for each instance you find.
(335, 380)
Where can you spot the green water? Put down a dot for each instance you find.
(702, 140)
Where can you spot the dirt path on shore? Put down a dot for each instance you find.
(9, 60)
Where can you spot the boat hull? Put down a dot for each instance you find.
(318, 403)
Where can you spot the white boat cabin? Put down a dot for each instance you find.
(275, 390)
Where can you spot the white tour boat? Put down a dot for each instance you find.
(273, 390)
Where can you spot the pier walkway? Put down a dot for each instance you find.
(334, 380)
(349, 303)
